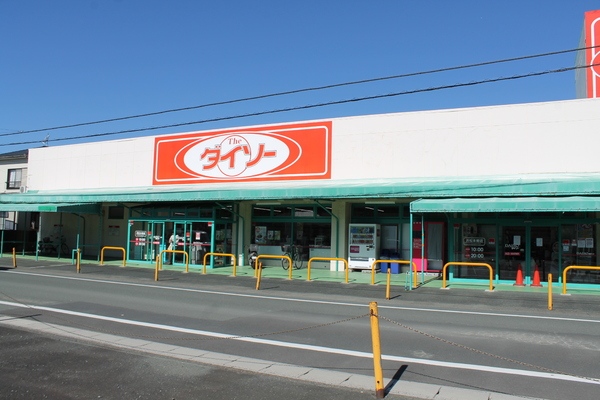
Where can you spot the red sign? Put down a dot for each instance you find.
(592, 38)
(285, 152)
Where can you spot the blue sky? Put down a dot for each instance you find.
(73, 61)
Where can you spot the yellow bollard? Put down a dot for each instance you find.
(156, 269)
(415, 274)
(78, 261)
(389, 279)
(258, 275)
(14, 258)
(550, 292)
(379, 390)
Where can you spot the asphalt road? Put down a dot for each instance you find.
(499, 343)
(35, 366)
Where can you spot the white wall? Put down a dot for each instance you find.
(110, 164)
(553, 137)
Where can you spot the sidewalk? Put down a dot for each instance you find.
(319, 274)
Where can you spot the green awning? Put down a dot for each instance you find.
(77, 208)
(507, 204)
(525, 185)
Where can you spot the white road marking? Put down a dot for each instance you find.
(321, 349)
(381, 306)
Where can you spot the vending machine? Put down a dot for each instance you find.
(363, 245)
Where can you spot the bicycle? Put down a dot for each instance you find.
(47, 248)
(294, 253)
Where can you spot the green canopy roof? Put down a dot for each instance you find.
(535, 185)
(512, 204)
(81, 208)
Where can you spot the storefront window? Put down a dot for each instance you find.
(579, 245)
(304, 212)
(274, 227)
(360, 211)
(388, 211)
(474, 243)
(258, 211)
(279, 212)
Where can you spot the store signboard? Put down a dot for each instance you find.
(592, 39)
(284, 152)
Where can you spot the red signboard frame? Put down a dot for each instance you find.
(592, 39)
(280, 152)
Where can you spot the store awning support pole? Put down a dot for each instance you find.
(410, 251)
(422, 248)
(337, 227)
(240, 246)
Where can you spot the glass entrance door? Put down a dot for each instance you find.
(512, 252)
(146, 240)
(544, 254)
(528, 248)
(193, 238)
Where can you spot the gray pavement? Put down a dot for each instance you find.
(43, 366)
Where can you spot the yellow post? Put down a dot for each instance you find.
(156, 270)
(389, 279)
(379, 390)
(308, 269)
(78, 261)
(258, 274)
(373, 272)
(415, 273)
(347, 269)
(14, 258)
(234, 266)
(549, 291)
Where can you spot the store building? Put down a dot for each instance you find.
(515, 186)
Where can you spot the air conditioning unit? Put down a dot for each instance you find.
(23, 189)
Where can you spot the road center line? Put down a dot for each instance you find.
(301, 346)
(381, 306)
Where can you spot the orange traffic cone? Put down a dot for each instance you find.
(519, 280)
(536, 277)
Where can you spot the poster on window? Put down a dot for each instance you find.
(260, 234)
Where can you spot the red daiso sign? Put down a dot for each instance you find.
(592, 39)
(285, 152)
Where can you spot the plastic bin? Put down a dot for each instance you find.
(395, 267)
(385, 255)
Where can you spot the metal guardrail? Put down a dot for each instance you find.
(395, 262)
(223, 255)
(327, 259)
(113, 248)
(570, 267)
(159, 261)
(473, 265)
(258, 269)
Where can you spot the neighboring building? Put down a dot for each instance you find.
(16, 226)
(515, 186)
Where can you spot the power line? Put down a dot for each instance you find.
(301, 91)
(473, 83)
